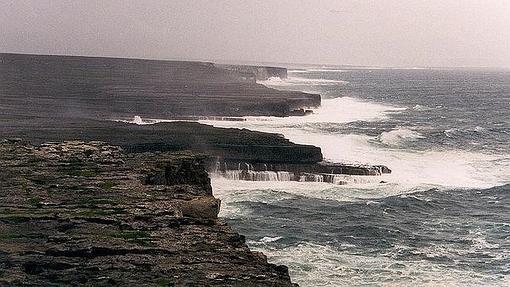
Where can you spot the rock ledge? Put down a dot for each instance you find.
(87, 214)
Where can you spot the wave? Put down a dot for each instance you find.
(411, 169)
(379, 238)
(267, 239)
(137, 120)
(298, 81)
(337, 110)
(232, 192)
(285, 176)
(334, 111)
(458, 132)
(423, 108)
(323, 265)
(318, 70)
(399, 136)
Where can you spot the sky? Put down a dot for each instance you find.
(397, 33)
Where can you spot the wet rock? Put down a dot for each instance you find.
(320, 171)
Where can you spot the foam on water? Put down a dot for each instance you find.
(137, 120)
(298, 81)
(411, 169)
(398, 136)
(319, 265)
(414, 170)
(443, 168)
(317, 70)
(232, 191)
(337, 110)
(422, 108)
(460, 254)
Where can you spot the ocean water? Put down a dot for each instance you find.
(443, 216)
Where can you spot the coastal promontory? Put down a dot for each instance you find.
(88, 214)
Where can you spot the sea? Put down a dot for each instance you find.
(441, 218)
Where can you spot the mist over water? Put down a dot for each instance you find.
(441, 218)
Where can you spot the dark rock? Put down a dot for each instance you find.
(297, 169)
(107, 88)
(59, 98)
(204, 207)
(228, 144)
(82, 213)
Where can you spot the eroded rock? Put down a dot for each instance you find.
(85, 213)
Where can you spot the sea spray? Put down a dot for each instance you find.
(422, 226)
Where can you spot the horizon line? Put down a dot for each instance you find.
(254, 62)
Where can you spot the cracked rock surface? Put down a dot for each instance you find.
(87, 214)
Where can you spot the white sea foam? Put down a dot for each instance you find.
(293, 81)
(454, 132)
(319, 265)
(137, 120)
(422, 108)
(231, 191)
(452, 168)
(411, 169)
(267, 239)
(318, 70)
(398, 136)
(337, 110)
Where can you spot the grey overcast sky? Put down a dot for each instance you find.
(364, 32)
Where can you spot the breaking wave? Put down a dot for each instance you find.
(441, 217)
(457, 132)
(426, 238)
(317, 70)
(337, 111)
(399, 136)
(298, 81)
(323, 265)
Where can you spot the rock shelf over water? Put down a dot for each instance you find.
(86, 213)
(58, 98)
(104, 88)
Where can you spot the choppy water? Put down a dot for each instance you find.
(442, 218)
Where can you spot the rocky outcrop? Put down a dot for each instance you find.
(86, 213)
(57, 98)
(261, 73)
(39, 86)
(322, 167)
(226, 143)
(336, 173)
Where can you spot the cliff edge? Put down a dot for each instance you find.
(86, 213)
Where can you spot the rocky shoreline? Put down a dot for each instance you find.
(132, 204)
(86, 213)
(52, 87)
(57, 98)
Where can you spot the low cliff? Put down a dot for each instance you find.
(225, 143)
(79, 213)
(261, 73)
(43, 86)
